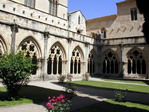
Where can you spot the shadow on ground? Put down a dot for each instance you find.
(108, 107)
(36, 94)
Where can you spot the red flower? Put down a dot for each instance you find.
(62, 101)
(49, 105)
(62, 96)
(52, 100)
(58, 98)
(49, 98)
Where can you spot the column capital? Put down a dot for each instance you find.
(14, 28)
(46, 34)
(69, 40)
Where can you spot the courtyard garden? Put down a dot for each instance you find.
(33, 94)
(28, 94)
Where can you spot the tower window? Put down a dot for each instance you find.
(133, 14)
(30, 3)
(53, 7)
(79, 20)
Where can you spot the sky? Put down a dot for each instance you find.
(94, 8)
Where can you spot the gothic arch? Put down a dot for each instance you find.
(76, 62)
(91, 62)
(80, 51)
(64, 56)
(3, 46)
(32, 49)
(57, 59)
(110, 62)
(136, 61)
(32, 39)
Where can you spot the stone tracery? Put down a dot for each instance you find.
(75, 65)
(136, 63)
(110, 63)
(55, 60)
(31, 51)
(91, 63)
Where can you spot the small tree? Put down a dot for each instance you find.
(15, 70)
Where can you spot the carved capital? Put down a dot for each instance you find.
(46, 35)
(14, 28)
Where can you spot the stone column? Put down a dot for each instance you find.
(89, 66)
(131, 66)
(57, 59)
(122, 60)
(73, 63)
(45, 62)
(92, 66)
(77, 67)
(110, 66)
(69, 55)
(52, 63)
(86, 56)
(14, 29)
(106, 66)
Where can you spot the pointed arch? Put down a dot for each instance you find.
(3, 45)
(91, 62)
(56, 60)
(110, 62)
(63, 51)
(78, 48)
(34, 41)
(33, 50)
(136, 61)
(76, 62)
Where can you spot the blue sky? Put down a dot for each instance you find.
(94, 8)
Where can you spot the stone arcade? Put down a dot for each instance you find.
(66, 43)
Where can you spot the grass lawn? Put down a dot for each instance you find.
(127, 81)
(29, 94)
(129, 87)
(113, 106)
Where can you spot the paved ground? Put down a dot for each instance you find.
(86, 96)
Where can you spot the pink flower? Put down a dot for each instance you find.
(49, 105)
(58, 98)
(62, 96)
(52, 100)
(49, 98)
(62, 101)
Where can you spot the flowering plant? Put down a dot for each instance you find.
(58, 104)
(69, 77)
(69, 86)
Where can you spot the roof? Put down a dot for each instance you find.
(76, 12)
(102, 18)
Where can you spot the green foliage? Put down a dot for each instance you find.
(70, 88)
(120, 95)
(15, 70)
(61, 78)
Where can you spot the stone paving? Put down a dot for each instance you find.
(85, 96)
